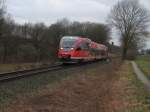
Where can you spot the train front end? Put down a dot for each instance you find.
(67, 49)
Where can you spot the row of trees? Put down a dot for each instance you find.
(38, 42)
(145, 52)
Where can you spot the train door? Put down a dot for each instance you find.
(83, 50)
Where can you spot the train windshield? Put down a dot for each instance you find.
(67, 43)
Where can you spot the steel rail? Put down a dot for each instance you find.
(4, 77)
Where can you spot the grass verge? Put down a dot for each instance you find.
(136, 96)
(144, 64)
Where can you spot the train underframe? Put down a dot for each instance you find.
(81, 59)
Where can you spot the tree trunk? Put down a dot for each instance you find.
(124, 53)
(5, 54)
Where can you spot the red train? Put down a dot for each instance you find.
(74, 49)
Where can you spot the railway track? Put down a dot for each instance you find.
(5, 77)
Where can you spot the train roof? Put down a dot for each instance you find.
(75, 37)
(70, 37)
(93, 44)
(98, 45)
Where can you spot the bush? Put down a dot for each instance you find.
(27, 53)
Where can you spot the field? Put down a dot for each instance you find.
(144, 64)
(90, 88)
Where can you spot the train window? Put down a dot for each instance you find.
(84, 46)
(68, 43)
(102, 52)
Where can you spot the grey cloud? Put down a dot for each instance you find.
(53, 9)
(35, 10)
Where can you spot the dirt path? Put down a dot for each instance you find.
(141, 75)
(93, 90)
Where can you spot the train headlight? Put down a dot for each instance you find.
(72, 48)
(61, 48)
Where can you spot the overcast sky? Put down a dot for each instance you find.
(49, 11)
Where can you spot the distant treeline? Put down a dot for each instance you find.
(38, 42)
(145, 52)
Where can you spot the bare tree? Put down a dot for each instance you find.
(1, 14)
(131, 20)
(1, 8)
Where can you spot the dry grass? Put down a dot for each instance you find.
(92, 90)
(19, 66)
(101, 88)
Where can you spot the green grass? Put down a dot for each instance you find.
(136, 94)
(144, 64)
